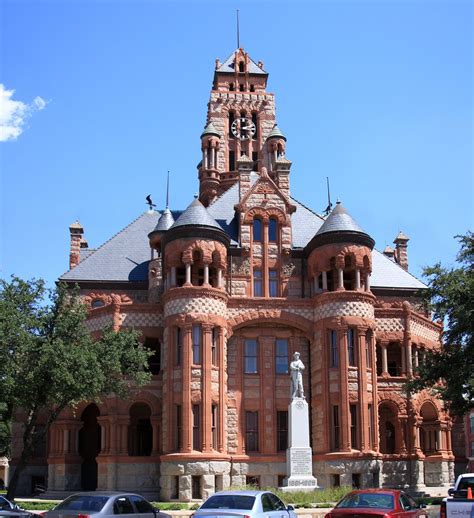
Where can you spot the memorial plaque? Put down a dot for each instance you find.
(300, 460)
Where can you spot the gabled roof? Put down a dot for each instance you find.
(229, 65)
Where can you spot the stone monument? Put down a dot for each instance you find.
(299, 464)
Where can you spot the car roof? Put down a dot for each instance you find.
(241, 493)
(377, 491)
(104, 493)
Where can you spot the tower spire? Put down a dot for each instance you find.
(168, 190)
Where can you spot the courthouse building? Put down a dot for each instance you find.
(224, 293)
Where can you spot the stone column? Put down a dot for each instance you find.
(155, 424)
(367, 281)
(219, 278)
(340, 279)
(204, 158)
(403, 420)
(265, 260)
(375, 414)
(416, 357)
(186, 390)
(325, 281)
(408, 357)
(383, 346)
(206, 275)
(363, 396)
(357, 279)
(344, 388)
(404, 356)
(221, 354)
(188, 274)
(206, 402)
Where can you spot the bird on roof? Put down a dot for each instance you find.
(150, 202)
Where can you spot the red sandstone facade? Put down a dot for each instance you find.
(242, 279)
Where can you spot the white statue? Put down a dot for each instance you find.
(296, 373)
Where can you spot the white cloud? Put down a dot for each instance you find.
(14, 114)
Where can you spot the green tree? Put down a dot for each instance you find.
(450, 296)
(49, 361)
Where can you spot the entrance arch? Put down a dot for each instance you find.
(389, 429)
(89, 447)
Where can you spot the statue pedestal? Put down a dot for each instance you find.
(299, 464)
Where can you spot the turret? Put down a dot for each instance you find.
(208, 171)
(401, 250)
(77, 242)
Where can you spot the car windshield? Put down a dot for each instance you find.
(243, 502)
(466, 482)
(373, 500)
(83, 503)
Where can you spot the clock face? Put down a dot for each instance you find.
(243, 128)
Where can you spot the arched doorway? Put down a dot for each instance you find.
(89, 447)
(429, 429)
(388, 426)
(140, 431)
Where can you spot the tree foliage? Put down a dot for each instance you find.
(49, 361)
(450, 296)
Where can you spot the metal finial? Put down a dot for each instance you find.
(168, 190)
(329, 207)
(238, 30)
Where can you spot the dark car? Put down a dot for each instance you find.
(102, 504)
(10, 510)
(377, 503)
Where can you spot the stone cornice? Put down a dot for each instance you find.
(344, 296)
(268, 303)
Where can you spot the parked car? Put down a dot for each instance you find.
(251, 504)
(374, 503)
(11, 510)
(460, 501)
(102, 504)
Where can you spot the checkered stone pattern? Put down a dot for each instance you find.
(423, 331)
(141, 319)
(344, 309)
(390, 324)
(209, 305)
(96, 324)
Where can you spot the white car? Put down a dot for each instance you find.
(248, 504)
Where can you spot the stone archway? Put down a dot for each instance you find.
(429, 430)
(389, 429)
(140, 431)
(89, 447)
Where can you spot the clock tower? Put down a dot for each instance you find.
(240, 122)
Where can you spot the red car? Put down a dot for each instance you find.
(378, 503)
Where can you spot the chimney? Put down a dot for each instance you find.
(76, 232)
(389, 252)
(401, 250)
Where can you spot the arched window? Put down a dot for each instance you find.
(273, 230)
(97, 303)
(231, 120)
(257, 230)
(140, 431)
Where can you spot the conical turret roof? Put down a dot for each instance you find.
(165, 222)
(276, 133)
(210, 130)
(341, 227)
(196, 221)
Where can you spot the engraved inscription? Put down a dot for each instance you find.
(301, 462)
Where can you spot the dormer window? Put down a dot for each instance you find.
(241, 66)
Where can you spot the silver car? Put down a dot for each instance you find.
(11, 510)
(251, 504)
(102, 504)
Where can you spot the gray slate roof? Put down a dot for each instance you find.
(126, 255)
(196, 215)
(229, 66)
(210, 129)
(276, 133)
(165, 222)
(340, 221)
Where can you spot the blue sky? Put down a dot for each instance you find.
(377, 95)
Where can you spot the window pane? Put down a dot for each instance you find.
(257, 283)
(281, 359)
(196, 344)
(273, 283)
(250, 357)
(272, 230)
(334, 358)
(257, 230)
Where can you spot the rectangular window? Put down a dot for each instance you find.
(196, 487)
(282, 430)
(334, 350)
(472, 448)
(273, 283)
(471, 423)
(351, 347)
(175, 490)
(196, 427)
(336, 480)
(356, 480)
(335, 429)
(281, 357)
(354, 438)
(178, 346)
(251, 431)
(251, 356)
(196, 345)
(257, 283)
(214, 424)
(255, 161)
(179, 428)
(368, 345)
(231, 160)
(214, 344)
(154, 361)
(252, 481)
